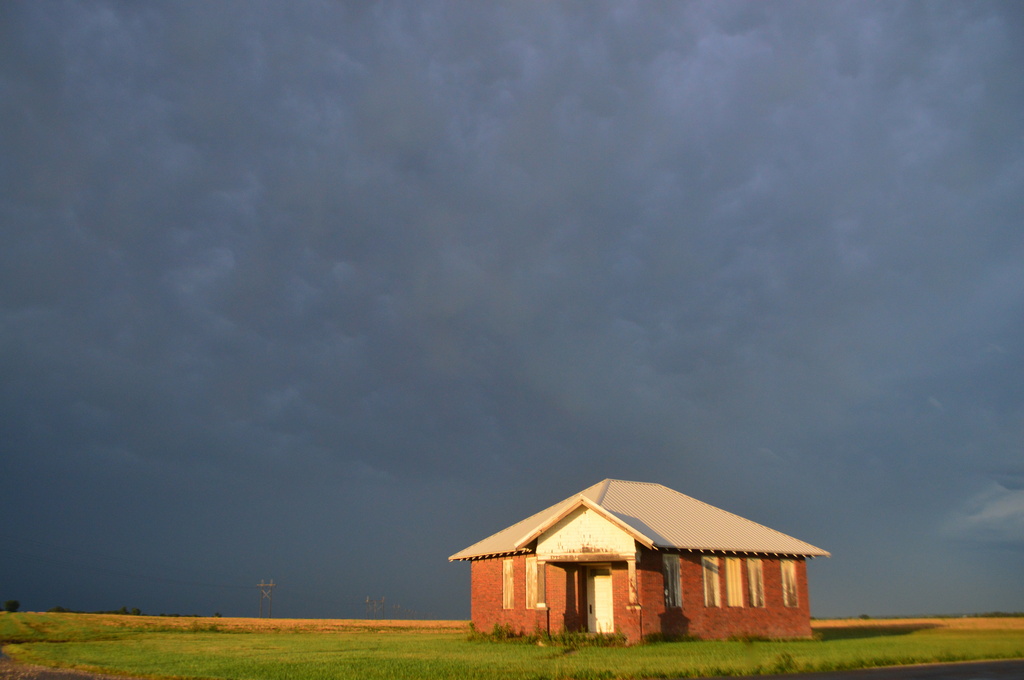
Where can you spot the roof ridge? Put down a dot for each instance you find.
(633, 481)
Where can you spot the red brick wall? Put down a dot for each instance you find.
(774, 620)
(567, 601)
(562, 594)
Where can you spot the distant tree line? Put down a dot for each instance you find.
(135, 611)
(982, 615)
(124, 611)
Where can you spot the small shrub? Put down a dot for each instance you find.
(503, 632)
(11, 606)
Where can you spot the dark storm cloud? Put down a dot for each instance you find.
(280, 285)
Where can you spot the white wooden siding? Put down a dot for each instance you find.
(584, 531)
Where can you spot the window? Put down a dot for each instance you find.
(733, 582)
(508, 599)
(670, 570)
(532, 583)
(710, 565)
(789, 583)
(755, 582)
(542, 588)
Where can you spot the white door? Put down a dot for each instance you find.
(599, 600)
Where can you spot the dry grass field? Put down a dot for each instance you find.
(959, 623)
(256, 625)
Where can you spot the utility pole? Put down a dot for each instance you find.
(266, 593)
(374, 606)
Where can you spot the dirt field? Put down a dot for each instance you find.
(17, 671)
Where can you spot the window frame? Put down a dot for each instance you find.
(755, 582)
(532, 582)
(672, 580)
(733, 582)
(790, 591)
(710, 571)
(508, 584)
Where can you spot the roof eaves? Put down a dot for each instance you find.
(459, 557)
(812, 552)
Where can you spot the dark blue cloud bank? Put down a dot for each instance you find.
(324, 292)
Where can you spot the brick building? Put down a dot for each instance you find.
(640, 559)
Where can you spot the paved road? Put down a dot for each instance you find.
(970, 670)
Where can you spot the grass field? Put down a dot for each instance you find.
(306, 649)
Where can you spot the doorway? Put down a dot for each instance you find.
(600, 618)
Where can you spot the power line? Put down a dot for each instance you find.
(75, 560)
(267, 593)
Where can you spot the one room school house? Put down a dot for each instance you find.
(638, 559)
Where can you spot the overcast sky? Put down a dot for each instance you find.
(324, 292)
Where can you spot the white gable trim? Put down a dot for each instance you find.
(582, 501)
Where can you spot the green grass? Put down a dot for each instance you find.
(215, 648)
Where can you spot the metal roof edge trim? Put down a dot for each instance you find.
(811, 555)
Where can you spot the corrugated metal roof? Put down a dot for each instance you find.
(667, 518)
